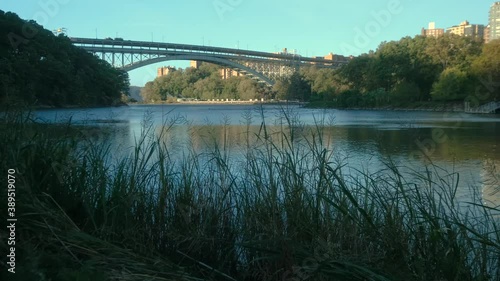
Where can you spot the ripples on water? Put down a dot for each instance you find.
(455, 142)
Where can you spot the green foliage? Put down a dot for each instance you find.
(295, 87)
(414, 70)
(349, 98)
(39, 68)
(376, 98)
(280, 88)
(451, 86)
(486, 71)
(203, 83)
(451, 50)
(323, 81)
(405, 91)
(357, 72)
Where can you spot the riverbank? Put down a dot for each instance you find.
(421, 106)
(230, 102)
(24, 106)
(284, 211)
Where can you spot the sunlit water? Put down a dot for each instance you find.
(455, 142)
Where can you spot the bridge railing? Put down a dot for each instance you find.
(140, 45)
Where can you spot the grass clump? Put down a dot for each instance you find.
(281, 208)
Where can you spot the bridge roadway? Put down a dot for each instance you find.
(135, 54)
(99, 45)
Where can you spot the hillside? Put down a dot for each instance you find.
(38, 68)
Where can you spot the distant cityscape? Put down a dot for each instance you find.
(486, 33)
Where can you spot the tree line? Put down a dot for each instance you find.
(411, 71)
(201, 83)
(447, 69)
(41, 69)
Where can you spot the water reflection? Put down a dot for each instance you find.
(490, 179)
(362, 139)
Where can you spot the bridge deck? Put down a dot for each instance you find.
(137, 46)
(264, 66)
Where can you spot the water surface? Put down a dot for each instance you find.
(455, 142)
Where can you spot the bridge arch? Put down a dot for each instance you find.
(210, 59)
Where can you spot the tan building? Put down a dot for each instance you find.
(166, 70)
(338, 58)
(487, 34)
(467, 29)
(432, 31)
(330, 56)
(333, 57)
(458, 29)
(195, 64)
(226, 73)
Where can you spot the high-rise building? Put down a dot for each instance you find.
(487, 34)
(474, 30)
(432, 31)
(495, 21)
(467, 29)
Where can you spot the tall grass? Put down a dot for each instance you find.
(282, 208)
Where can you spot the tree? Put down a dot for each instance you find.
(356, 72)
(451, 85)
(281, 87)
(324, 82)
(299, 88)
(230, 88)
(148, 94)
(451, 50)
(486, 72)
(49, 70)
(247, 89)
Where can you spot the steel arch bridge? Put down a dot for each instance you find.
(263, 66)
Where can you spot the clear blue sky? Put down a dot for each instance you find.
(312, 27)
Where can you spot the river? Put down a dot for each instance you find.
(455, 142)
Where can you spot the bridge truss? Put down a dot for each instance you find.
(265, 67)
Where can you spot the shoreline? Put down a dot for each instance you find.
(455, 108)
(226, 103)
(451, 107)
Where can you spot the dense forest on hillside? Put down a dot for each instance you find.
(410, 71)
(41, 69)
